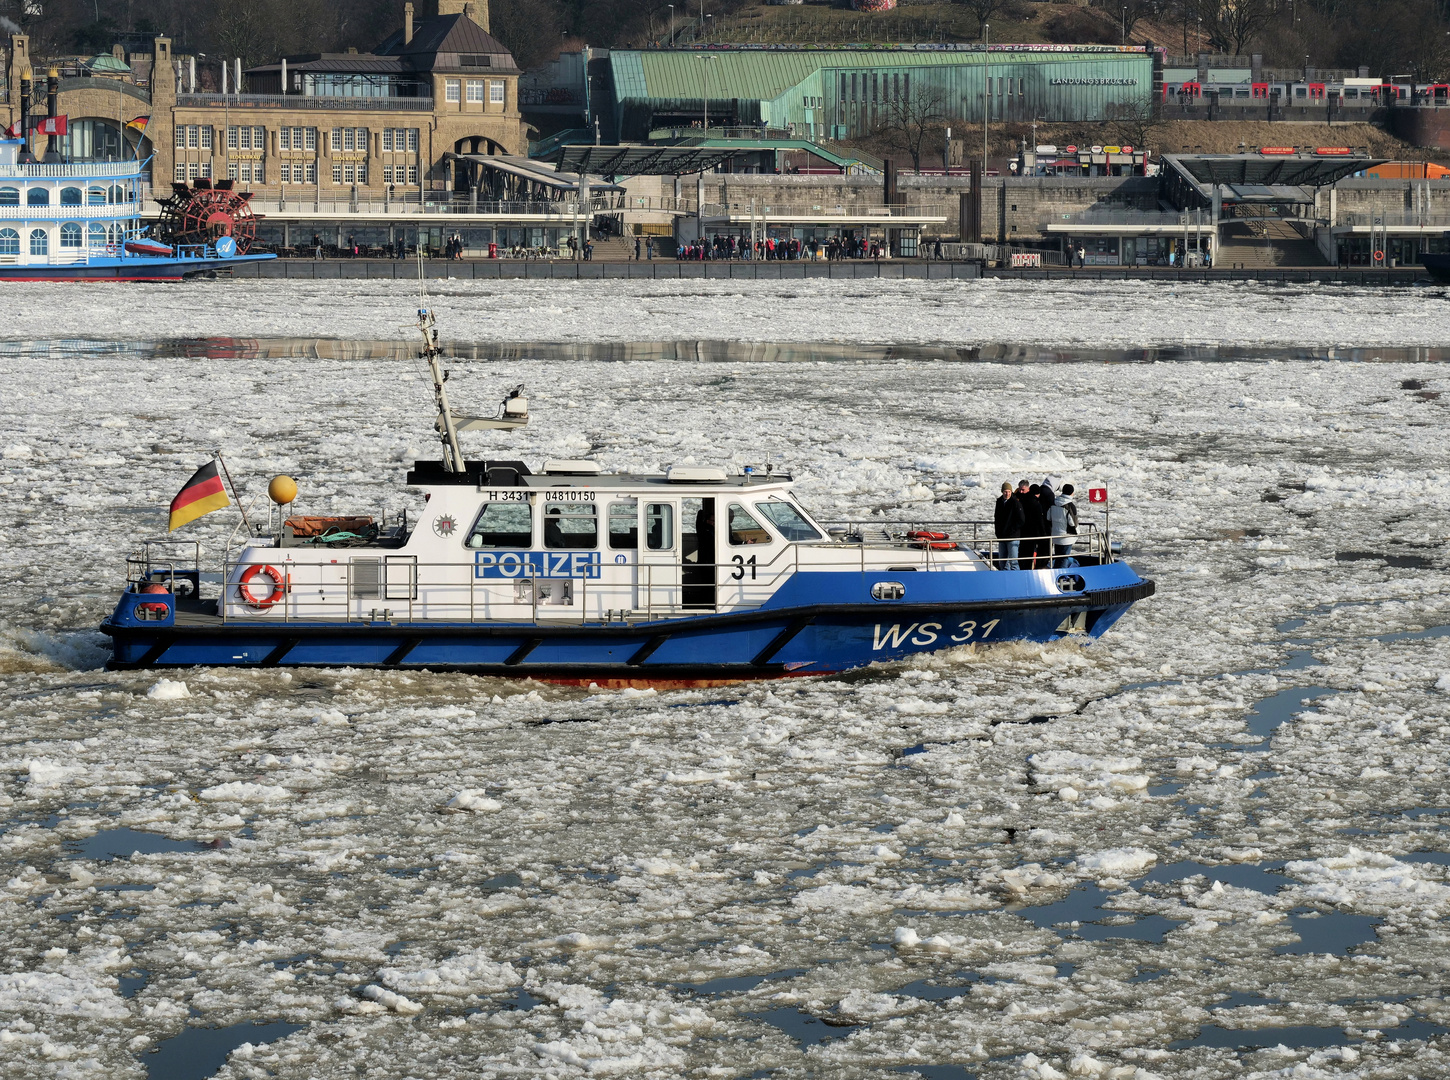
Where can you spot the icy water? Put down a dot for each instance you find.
(1212, 844)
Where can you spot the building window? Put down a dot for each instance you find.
(70, 235)
(193, 170)
(206, 137)
(231, 138)
(451, 88)
(193, 137)
(181, 136)
(475, 91)
(206, 169)
(387, 174)
(412, 174)
(337, 172)
(39, 242)
(495, 92)
(231, 170)
(284, 138)
(309, 136)
(362, 172)
(284, 173)
(387, 140)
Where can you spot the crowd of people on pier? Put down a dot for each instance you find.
(787, 249)
(1035, 526)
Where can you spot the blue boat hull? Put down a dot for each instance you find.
(810, 638)
(130, 268)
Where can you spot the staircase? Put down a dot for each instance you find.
(1264, 244)
(619, 248)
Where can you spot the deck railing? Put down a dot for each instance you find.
(383, 584)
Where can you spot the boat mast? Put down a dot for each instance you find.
(447, 432)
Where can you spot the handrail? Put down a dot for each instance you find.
(402, 588)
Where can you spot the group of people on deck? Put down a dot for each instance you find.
(1035, 526)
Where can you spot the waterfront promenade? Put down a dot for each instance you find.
(569, 270)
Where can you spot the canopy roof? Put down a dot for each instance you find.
(641, 159)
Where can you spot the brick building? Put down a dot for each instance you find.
(392, 125)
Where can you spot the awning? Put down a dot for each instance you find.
(529, 170)
(639, 159)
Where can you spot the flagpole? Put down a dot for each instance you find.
(231, 484)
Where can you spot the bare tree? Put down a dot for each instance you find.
(1134, 121)
(1233, 24)
(913, 123)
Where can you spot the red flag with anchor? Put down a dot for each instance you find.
(1097, 495)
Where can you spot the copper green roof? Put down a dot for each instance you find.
(107, 62)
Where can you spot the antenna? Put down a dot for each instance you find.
(515, 412)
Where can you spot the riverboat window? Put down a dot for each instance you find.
(744, 529)
(96, 196)
(9, 242)
(9, 196)
(70, 235)
(70, 196)
(39, 242)
(624, 525)
(38, 196)
(788, 520)
(503, 525)
(659, 526)
(570, 525)
(96, 235)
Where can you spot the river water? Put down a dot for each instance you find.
(1213, 842)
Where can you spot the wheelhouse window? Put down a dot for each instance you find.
(624, 525)
(744, 529)
(788, 521)
(659, 526)
(503, 525)
(571, 525)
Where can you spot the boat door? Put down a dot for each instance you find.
(658, 588)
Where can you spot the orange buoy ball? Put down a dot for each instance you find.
(282, 490)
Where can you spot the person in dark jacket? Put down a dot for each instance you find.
(1008, 519)
(1034, 548)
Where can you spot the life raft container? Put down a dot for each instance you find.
(249, 597)
(153, 611)
(936, 541)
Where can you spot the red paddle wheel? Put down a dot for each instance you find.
(203, 212)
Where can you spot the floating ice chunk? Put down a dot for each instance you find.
(168, 690)
(1443, 682)
(242, 792)
(44, 773)
(389, 1000)
(1034, 1066)
(954, 820)
(476, 801)
(842, 898)
(866, 1006)
(458, 976)
(1366, 877)
(580, 942)
(1086, 1065)
(695, 776)
(904, 937)
(1068, 794)
(1117, 861)
(1064, 768)
(949, 898)
(72, 992)
(17, 450)
(331, 718)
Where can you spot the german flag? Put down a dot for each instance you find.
(202, 494)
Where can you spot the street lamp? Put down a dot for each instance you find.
(986, 92)
(1123, 38)
(672, 26)
(705, 111)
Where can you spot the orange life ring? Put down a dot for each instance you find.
(937, 541)
(279, 586)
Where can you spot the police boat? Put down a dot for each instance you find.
(691, 577)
